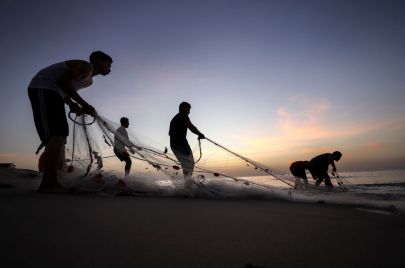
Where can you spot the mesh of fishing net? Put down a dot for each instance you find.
(91, 165)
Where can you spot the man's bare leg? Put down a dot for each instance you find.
(52, 159)
(62, 158)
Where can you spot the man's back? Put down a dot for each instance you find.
(299, 165)
(120, 138)
(178, 129)
(320, 162)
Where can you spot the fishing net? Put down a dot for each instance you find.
(91, 165)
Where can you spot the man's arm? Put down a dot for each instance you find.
(193, 129)
(76, 72)
(74, 107)
(124, 138)
(128, 143)
(332, 162)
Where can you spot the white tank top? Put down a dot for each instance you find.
(48, 78)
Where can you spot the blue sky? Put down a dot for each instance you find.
(277, 81)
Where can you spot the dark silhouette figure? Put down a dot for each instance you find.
(178, 141)
(298, 170)
(48, 91)
(121, 141)
(318, 166)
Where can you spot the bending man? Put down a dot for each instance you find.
(48, 91)
(318, 166)
(298, 168)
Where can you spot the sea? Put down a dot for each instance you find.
(382, 191)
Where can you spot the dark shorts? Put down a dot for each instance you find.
(184, 155)
(319, 173)
(122, 156)
(181, 148)
(298, 172)
(49, 113)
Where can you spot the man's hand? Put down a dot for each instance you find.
(132, 150)
(201, 136)
(88, 109)
(138, 148)
(75, 108)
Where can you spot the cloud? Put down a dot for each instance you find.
(309, 127)
(317, 150)
(376, 146)
(293, 98)
(305, 128)
(297, 122)
(310, 122)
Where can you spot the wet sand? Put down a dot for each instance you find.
(86, 230)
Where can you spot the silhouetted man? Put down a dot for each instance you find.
(298, 170)
(121, 141)
(318, 166)
(178, 141)
(48, 91)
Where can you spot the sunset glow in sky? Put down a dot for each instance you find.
(277, 81)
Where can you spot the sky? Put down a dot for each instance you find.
(276, 81)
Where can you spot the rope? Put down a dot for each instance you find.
(74, 140)
(89, 147)
(339, 180)
(83, 123)
(199, 146)
(250, 162)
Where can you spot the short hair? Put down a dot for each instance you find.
(184, 105)
(99, 55)
(337, 153)
(123, 120)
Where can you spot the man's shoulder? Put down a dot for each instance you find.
(180, 117)
(72, 63)
(121, 129)
(82, 65)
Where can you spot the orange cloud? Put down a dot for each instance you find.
(317, 150)
(305, 129)
(308, 124)
(375, 146)
(304, 123)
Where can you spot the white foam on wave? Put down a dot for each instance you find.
(144, 184)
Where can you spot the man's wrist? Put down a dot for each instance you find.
(68, 100)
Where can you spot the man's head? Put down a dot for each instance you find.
(184, 108)
(337, 155)
(101, 62)
(124, 122)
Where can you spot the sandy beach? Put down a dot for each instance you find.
(87, 230)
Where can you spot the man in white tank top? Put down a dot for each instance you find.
(121, 140)
(48, 91)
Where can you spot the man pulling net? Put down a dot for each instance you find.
(48, 90)
(121, 141)
(178, 141)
